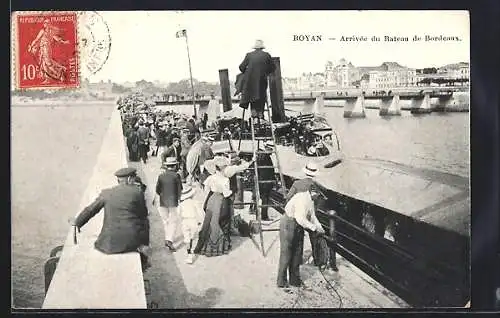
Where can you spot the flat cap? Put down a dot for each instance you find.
(125, 172)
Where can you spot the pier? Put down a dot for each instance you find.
(84, 277)
(87, 279)
(226, 282)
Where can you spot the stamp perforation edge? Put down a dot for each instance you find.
(15, 49)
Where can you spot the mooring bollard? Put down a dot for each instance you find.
(238, 198)
(333, 244)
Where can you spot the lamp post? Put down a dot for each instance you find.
(183, 33)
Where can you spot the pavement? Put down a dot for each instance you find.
(244, 278)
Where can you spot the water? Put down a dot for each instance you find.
(435, 141)
(54, 150)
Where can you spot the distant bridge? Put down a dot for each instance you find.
(371, 94)
(354, 100)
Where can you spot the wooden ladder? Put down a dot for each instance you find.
(256, 148)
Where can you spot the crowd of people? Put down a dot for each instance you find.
(188, 165)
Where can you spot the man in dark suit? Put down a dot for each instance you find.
(161, 139)
(169, 189)
(174, 150)
(256, 66)
(174, 133)
(126, 226)
(144, 133)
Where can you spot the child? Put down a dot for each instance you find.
(192, 217)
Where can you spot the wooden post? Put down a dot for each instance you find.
(333, 247)
(276, 92)
(225, 90)
(238, 198)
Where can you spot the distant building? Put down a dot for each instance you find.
(364, 82)
(392, 75)
(128, 84)
(456, 70)
(342, 74)
(101, 89)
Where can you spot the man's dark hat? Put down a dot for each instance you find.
(125, 172)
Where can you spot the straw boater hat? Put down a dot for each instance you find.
(259, 44)
(311, 169)
(169, 162)
(187, 193)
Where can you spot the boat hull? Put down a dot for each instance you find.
(401, 210)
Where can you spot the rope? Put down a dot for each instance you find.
(299, 294)
(338, 297)
(333, 288)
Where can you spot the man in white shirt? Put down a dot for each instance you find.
(299, 215)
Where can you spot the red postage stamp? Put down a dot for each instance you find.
(46, 50)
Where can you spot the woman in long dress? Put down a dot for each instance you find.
(215, 235)
(42, 48)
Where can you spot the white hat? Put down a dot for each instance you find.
(259, 44)
(170, 161)
(210, 165)
(187, 193)
(217, 161)
(311, 169)
(221, 161)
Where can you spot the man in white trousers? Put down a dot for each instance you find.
(169, 189)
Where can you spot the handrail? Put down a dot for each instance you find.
(392, 265)
(86, 278)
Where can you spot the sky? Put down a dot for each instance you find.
(144, 46)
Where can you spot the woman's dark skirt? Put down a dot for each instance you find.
(214, 237)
